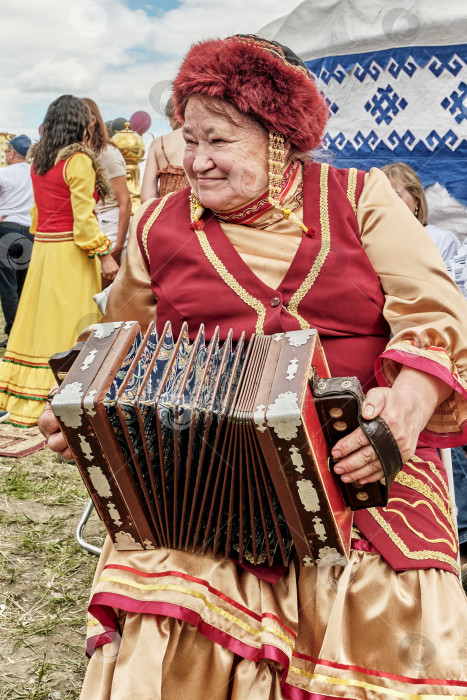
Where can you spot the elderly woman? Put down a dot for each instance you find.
(269, 239)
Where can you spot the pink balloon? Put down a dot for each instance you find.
(140, 122)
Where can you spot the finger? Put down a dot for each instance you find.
(66, 454)
(47, 422)
(57, 442)
(376, 476)
(375, 402)
(350, 443)
(356, 460)
(365, 472)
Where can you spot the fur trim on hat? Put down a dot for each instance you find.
(103, 185)
(255, 77)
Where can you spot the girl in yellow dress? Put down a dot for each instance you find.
(68, 256)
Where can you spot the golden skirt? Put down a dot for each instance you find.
(167, 624)
(56, 304)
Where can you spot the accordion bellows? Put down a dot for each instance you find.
(201, 446)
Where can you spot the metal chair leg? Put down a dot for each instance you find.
(79, 530)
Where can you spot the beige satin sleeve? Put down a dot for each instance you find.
(425, 309)
(131, 297)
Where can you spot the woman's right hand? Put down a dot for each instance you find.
(116, 253)
(50, 429)
(109, 267)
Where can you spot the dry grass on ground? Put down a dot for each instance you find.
(44, 577)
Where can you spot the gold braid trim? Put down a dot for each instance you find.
(150, 222)
(417, 485)
(436, 472)
(451, 544)
(431, 479)
(351, 188)
(418, 555)
(232, 282)
(308, 282)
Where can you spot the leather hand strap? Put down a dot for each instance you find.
(338, 402)
(384, 444)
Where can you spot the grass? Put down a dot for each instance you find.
(45, 577)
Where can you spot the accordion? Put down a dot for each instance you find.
(203, 446)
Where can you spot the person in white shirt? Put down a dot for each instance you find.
(16, 201)
(113, 213)
(406, 183)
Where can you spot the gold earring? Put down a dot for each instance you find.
(276, 173)
(196, 212)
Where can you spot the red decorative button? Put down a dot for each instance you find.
(275, 301)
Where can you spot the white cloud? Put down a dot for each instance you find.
(200, 19)
(57, 76)
(107, 51)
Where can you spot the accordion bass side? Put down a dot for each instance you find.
(202, 447)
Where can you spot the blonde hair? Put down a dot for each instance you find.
(408, 178)
(170, 113)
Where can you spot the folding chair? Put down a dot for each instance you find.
(87, 546)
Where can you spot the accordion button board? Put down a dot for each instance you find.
(205, 446)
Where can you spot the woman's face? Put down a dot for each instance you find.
(405, 195)
(225, 161)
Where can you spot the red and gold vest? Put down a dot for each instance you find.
(331, 286)
(330, 283)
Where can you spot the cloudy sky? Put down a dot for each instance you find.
(122, 53)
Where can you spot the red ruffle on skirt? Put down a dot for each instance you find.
(167, 624)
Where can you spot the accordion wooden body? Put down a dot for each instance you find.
(203, 446)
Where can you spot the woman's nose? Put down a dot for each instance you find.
(202, 160)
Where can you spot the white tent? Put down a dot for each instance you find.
(396, 83)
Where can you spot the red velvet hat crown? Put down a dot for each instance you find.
(262, 79)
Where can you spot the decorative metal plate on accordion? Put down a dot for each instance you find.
(202, 447)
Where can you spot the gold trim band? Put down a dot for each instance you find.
(200, 596)
(353, 682)
(150, 221)
(231, 282)
(310, 279)
(54, 237)
(351, 188)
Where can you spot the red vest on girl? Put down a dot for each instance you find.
(53, 200)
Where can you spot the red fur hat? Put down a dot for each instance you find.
(262, 79)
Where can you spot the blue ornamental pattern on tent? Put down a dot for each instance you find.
(407, 104)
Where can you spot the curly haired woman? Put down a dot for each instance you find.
(68, 256)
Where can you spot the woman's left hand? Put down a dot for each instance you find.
(406, 408)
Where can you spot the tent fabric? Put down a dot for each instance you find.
(317, 28)
(407, 104)
(396, 84)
